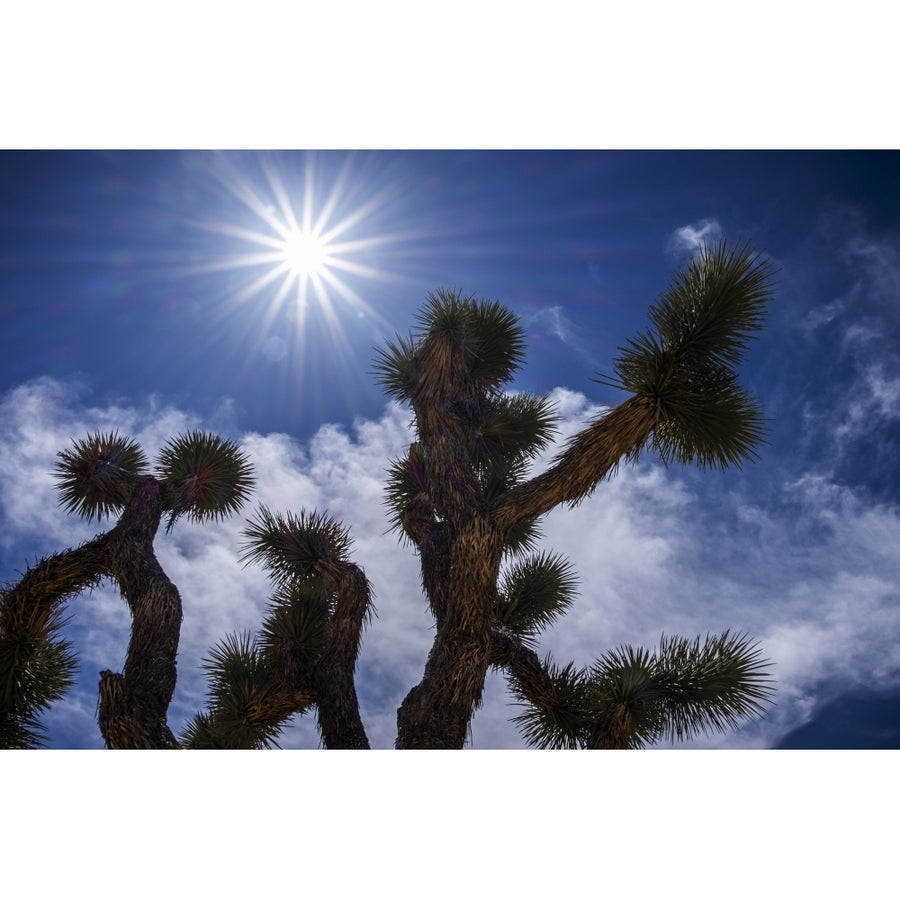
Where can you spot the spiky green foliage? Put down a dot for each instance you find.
(240, 687)
(408, 493)
(255, 685)
(685, 688)
(688, 365)
(534, 593)
(98, 475)
(632, 697)
(206, 476)
(295, 628)
(395, 366)
(463, 346)
(42, 678)
(36, 669)
(560, 721)
(295, 546)
(503, 432)
(200, 733)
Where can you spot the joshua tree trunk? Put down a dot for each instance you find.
(436, 713)
(133, 706)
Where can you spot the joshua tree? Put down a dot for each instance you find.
(465, 498)
(198, 475)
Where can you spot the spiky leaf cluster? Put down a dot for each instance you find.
(534, 593)
(97, 476)
(632, 697)
(293, 546)
(257, 683)
(502, 433)
(687, 365)
(463, 347)
(36, 669)
(558, 721)
(686, 688)
(295, 628)
(206, 476)
(499, 435)
(240, 689)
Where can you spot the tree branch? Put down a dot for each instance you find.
(335, 689)
(593, 455)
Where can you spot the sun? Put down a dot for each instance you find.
(297, 249)
(305, 253)
(306, 236)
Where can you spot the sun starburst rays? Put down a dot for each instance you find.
(287, 259)
(299, 245)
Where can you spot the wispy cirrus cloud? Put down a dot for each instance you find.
(852, 348)
(552, 320)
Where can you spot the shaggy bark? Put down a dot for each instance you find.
(335, 689)
(32, 599)
(139, 703)
(594, 454)
(133, 705)
(613, 731)
(436, 713)
(530, 678)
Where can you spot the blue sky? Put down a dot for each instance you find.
(133, 296)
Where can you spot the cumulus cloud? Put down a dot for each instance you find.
(691, 238)
(812, 576)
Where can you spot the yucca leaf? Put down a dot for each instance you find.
(243, 713)
(200, 734)
(463, 347)
(557, 723)
(686, 688)
(712, 308)
(687, 366)
(505, 431)
(711, 685)
(98, 475)
(535, 592)
(295, 628)
(295, 546)
(408, 492)
(395, 367)
(206, 476)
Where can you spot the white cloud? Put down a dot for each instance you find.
(552, 320)
(812, 577)
(691, 238)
